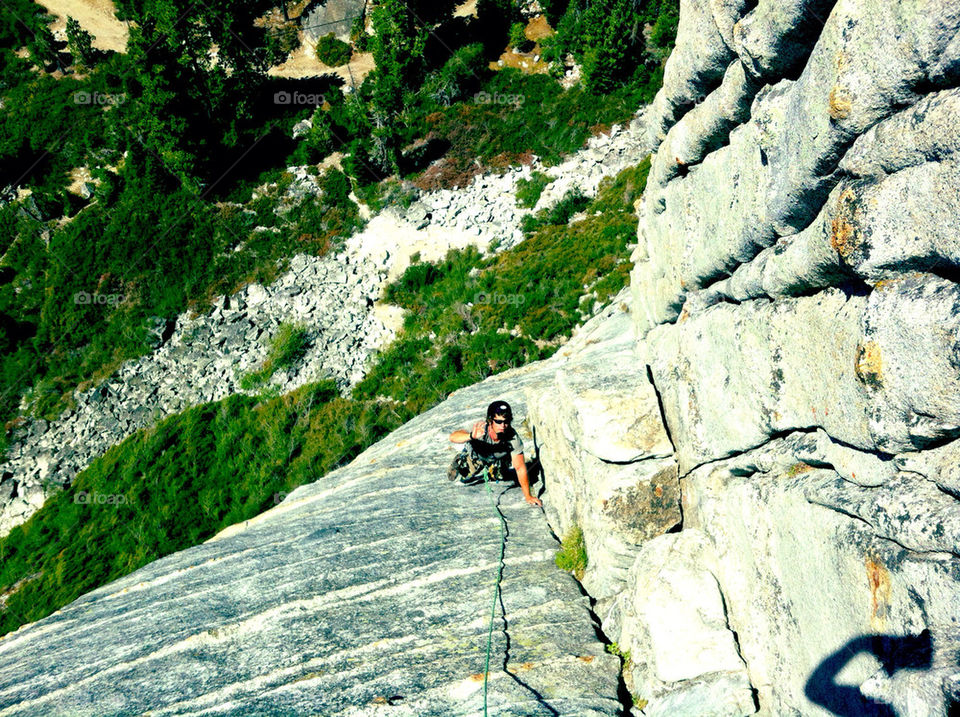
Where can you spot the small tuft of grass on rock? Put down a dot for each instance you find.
(572, 556)
(624, 655)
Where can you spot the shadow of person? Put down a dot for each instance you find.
(894, 652)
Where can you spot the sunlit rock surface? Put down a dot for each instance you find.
(368, 592)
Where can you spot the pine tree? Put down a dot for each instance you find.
(80, 43)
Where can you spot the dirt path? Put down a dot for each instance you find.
(95, 16)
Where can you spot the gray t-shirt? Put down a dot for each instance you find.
(490, 451)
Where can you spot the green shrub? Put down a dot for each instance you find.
(607, 39)
(358, 34)
(80, 43)
(621, 192)
(529, 190)
(559, 214)
(332, 52)
(572, 556)
(336, 187)
(388, 193)
(518, 37)
(459, 77)
(288, 346)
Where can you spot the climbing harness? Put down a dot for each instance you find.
(496, 587)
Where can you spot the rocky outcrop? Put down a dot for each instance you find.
(795, 302)
(795, 306)
(774, 176)
(487, 208)
(608, 463)
(368, 592)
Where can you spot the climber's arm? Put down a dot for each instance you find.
(520, 466)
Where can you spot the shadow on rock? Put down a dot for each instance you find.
(895, 653)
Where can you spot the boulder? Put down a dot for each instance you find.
(683, 657)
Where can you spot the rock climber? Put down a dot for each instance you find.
(492, 444)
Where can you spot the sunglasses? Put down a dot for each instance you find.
(501, 422)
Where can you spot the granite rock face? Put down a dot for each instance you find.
(368, 592)
(818, 583)
(608, 463)
(771, 179)
(795, 307)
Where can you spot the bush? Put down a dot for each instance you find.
(529, 190)
(358, 34)
(388, 193)
(287, 347)
(621, 192)
(80, 43)
(518, 37)
(332, 52)
(459, 77)
(336, 188)
(608, 41)
(559, 214)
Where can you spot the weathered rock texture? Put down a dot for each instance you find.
(798, 333)
(762, 459)
(368, 592)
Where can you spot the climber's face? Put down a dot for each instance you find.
(499, 424)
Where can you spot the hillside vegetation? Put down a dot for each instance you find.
(169, 147)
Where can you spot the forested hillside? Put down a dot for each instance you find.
(128, 178)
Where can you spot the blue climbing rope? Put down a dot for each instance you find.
(496, 587)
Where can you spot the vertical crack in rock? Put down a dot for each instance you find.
(736, 644)
(505, 625)
(623, 694)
